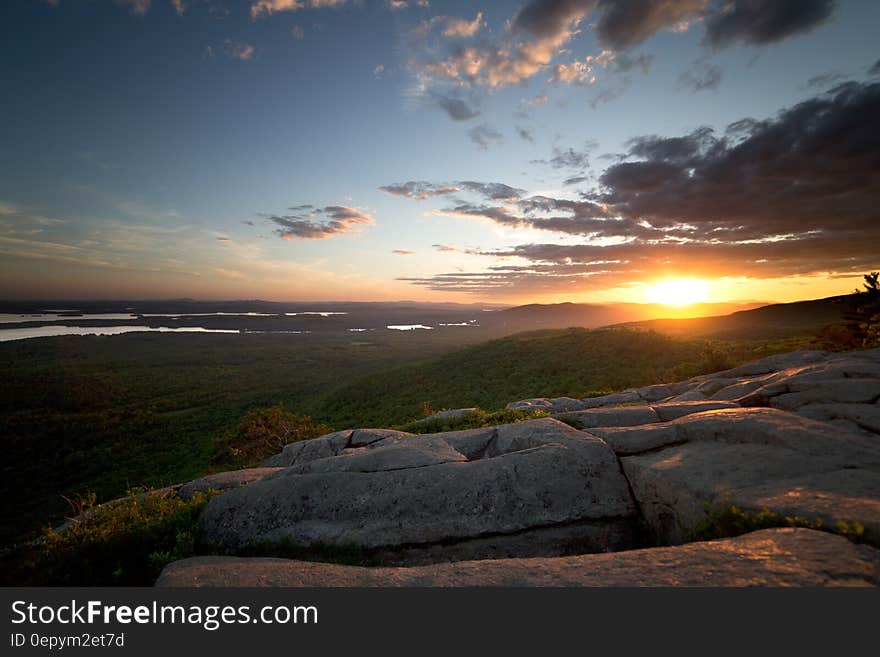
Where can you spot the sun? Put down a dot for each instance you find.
(677, 292)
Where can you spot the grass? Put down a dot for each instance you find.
(728, 520)
(474, 420)
(125, 543)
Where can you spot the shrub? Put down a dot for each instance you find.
(263, 433)
(125, 542)
(476, 420)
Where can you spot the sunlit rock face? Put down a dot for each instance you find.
(771, 557)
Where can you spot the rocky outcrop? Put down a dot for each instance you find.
(538, 487)
(793, 381)
(772, 557)
(223, 481)
(445, 416)
(795, 433)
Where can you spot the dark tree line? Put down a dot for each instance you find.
(863, 316)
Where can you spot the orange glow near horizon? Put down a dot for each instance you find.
(678, 292)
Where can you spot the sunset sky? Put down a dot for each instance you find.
(442, 151)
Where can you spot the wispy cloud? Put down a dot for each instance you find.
(238, 50)
(702, 75)
(462, 28)
(484, 136)
(309, 223)
(267, 7)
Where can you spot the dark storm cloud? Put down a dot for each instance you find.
(875, 68)
(796, 194)
(547, 18)
(620, 24)
(626, 23)
(318, 224)
(759, 22)
(816, 165)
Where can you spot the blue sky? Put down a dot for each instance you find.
(155, 148)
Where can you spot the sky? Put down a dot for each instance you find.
(511, 151)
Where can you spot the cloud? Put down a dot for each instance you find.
(317, 224)
(403, 252)
(493, 191)
(459, 28)
(455, 108)
(396, 5)
(421, 190)
(525, 133)
(534, 101)
(623, 24)
(137, 7)
(570, 158)
(543, 30)
(267, 7)
(585, 72)
(238, 50)
(814, 165)
(824, 80)
(796, 194)
(179, 7)
(758, 22)
(874, 69)
(297, 33)
(701, 76)
(484, 136)
(378, 70)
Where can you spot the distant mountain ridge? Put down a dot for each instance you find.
(765, 322)
(591, 315)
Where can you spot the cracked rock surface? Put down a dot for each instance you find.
(450, 495)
